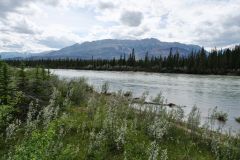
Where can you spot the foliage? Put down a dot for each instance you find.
(194, 119)
(219, 115)
(105, 88)
(225, 61)
(76, 122)
(5, 114)
(238, 119)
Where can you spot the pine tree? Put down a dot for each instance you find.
(5, 85)
(37, 83)
(43, 74)
(22, 80)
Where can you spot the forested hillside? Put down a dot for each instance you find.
(215, 62)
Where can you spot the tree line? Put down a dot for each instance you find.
(19, 86)
(225, 61)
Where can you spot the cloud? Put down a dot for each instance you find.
(21, 25)
(36, 25)
(7, 6)
(17, 6)
(56, 42)
(13, 42)
(57, 37)
(232, 20)
(131, 18)
(220, 32)
(218, 35)
(105, 5)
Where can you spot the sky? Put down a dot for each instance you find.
(42, 25)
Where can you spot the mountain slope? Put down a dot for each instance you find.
(9, 55)
(110, 48)
(21, 55)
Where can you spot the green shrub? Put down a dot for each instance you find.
(78, 91)
(5, 114)
(194, 119)
(219, 115)
(238, 119)
(105, 88)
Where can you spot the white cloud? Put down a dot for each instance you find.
(36, 25)
(58, 37)
(105, 5)
(131, 18)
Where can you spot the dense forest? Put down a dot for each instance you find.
(201, 62)
(42, 117)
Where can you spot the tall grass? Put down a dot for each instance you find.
(80, 123)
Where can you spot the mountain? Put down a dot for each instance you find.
(10, 55)
(110, 48)
(21, 55)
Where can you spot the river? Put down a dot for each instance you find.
(204, 91)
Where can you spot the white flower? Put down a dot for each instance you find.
(121, 132)
(11, 129)
(158, 128)
(164, 155)
(153, 151)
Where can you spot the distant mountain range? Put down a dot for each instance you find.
(21, 55)
(7, 55)
(108, 49)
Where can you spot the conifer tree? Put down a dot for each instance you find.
(22, 80)
(37, 82)
(6, 89)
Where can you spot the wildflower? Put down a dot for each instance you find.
(177, 114)
(164, 155)
(11, 129)
(121, 135)
(153, 151)
(194, 118)
(158, 128)
(215, 146)
(91, 107)
(96, 141)
(51, 111)
(31, 122)
(125, 155)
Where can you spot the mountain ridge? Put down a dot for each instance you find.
(114, 48)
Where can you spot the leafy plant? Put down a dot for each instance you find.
(219, 115)
(238, 119)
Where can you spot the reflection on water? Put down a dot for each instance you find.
(205, 91)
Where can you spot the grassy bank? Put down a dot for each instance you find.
(69, 120)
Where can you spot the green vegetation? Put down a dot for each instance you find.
(220, 116)
(238, 119)
(42, 117)
(198, 62)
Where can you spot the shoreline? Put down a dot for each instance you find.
(142, 71)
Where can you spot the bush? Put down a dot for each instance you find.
(238, 119)
(105, 88)
(5, 114)
(194, 119)
(219, 115)
(78, 91)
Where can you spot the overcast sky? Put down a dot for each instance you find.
(40, 25)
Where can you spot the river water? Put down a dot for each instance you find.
(204, 91)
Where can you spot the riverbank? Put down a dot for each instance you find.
(173, 71)
(155, 69)
(68, 119)
(206, 92)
